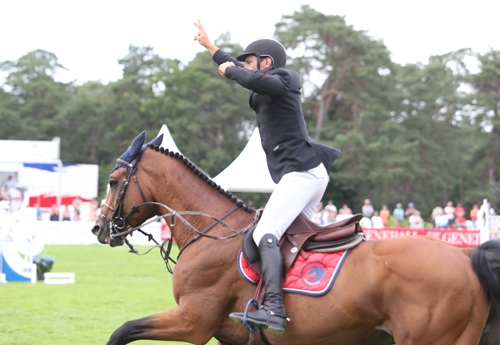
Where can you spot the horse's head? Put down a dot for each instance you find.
(125, 206)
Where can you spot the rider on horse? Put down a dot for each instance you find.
(296, 162)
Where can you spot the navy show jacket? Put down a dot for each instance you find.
(276, 99)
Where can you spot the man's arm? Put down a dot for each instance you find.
(203, 39)
(276, 83)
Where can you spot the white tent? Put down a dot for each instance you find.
(248, 172)
(168, 142)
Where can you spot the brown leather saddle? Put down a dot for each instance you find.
(304, 235)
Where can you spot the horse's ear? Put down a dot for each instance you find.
(157, 141)
(136, 146)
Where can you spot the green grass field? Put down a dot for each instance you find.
(112, 286)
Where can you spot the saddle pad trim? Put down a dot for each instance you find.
(317, 293)
(241, 270)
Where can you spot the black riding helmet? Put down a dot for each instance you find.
(265, 48)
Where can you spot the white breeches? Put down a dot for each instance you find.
(296, 193)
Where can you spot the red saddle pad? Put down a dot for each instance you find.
(314, 276)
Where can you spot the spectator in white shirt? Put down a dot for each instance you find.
(377, 222)
(416, 221)
(441, 221)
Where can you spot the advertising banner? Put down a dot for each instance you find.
(455, 237)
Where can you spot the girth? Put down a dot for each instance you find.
(303, 235)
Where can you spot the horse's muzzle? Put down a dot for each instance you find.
(95, 229)
(101, 230)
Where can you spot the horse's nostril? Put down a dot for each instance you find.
(95, 229)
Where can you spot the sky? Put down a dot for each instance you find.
(89, 37)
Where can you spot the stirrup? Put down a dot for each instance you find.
(268, 320)
(248, 326)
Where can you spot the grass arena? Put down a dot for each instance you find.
(112, 286)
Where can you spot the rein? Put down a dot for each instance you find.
(120, 227)
(203, 233)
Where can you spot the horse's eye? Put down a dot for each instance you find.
(113, 183)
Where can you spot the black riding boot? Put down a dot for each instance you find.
(271, 315)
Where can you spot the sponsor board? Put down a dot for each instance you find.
(459, 238)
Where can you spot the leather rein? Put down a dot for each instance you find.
(120, 227)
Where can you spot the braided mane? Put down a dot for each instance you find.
(202, 175)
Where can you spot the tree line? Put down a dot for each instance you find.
(424, 133)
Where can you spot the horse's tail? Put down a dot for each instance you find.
(485, 261)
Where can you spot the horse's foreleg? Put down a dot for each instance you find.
(174, 324)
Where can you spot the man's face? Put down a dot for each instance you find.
(251, 62)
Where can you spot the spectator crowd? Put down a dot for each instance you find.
(14, 196)
(450, 216)
(74, 211)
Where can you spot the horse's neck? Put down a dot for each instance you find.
(178, 187)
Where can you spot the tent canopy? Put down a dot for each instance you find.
(248, 172)
(168, 142)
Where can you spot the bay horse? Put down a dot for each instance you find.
(407, 290)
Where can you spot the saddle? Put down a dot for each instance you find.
(304, 235)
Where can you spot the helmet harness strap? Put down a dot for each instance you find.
(258, 63)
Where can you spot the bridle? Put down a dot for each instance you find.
(120, 227)
(117, 223)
